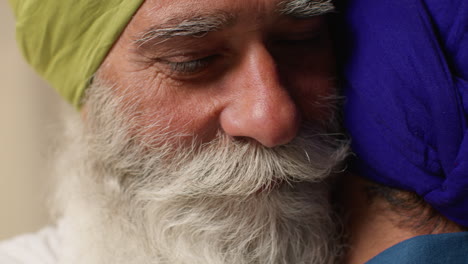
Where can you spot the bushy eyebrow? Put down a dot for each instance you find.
(180, 26)
(306, 8)
(200, 25)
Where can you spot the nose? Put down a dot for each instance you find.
(261, 108)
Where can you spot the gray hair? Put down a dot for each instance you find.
(306, 8)
(221, 203)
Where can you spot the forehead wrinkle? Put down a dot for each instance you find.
(187, 25)
(305, 8)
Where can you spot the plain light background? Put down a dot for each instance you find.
(28, 122)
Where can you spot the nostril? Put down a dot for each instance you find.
(241, 139)
(245, 140)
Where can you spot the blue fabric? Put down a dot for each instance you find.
(406, 83)
(428, 249)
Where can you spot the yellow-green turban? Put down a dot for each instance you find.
(67, 40)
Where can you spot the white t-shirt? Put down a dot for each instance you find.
(39, 248)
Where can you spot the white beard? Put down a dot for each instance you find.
(221, 202)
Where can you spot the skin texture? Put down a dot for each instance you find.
(259, 77)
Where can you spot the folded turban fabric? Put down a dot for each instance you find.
(406, 82)
(67, 40)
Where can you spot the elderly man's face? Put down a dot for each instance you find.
(233, 81)
(252, 69)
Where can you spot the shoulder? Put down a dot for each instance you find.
(427, 249)
(39, 248)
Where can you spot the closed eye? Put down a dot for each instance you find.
(305, 39)
(190, 67)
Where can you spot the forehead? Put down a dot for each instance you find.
(168, 7)
(161, 11)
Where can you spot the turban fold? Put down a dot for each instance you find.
(67, 40)
(406, 82)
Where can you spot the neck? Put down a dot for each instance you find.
(375, 225)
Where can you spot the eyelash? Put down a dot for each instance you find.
(191, 67)
(307, 40)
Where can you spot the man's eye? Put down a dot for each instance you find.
(306, 39)
(299, 41)
(190, 67)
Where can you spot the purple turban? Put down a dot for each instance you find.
(406, 83)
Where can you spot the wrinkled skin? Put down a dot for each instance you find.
(259, 77)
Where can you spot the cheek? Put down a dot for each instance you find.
(316, 99)
(313, 86)
(164, 111)
(180, 121)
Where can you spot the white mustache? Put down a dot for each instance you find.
(214, 202)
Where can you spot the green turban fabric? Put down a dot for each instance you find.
(67, 40)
